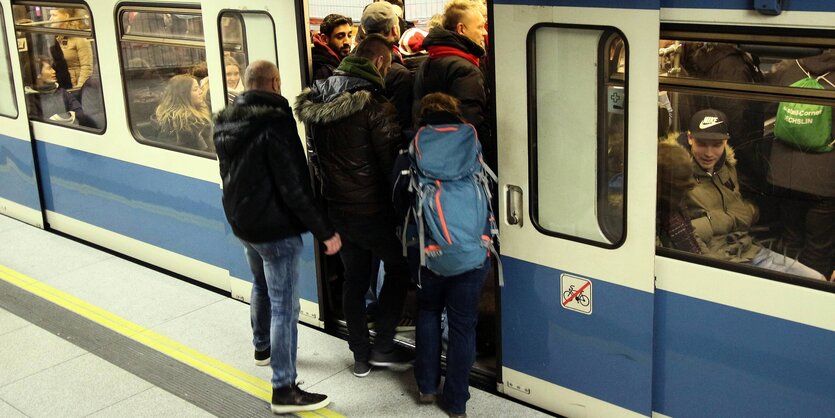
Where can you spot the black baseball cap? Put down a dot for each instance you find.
(709, 124)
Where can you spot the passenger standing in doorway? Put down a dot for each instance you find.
(453, 68)
(381, 18)
(269, 203)
(331, 45)
(356, 136)
(459, 293)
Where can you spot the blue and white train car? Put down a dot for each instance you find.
(660, 333)
(595, 319)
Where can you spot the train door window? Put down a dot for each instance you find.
(8, 105)
(579, 133)
(163, 59)
(236, 28)
(61, 81)
(747, 173)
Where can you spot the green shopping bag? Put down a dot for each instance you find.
(802, 125)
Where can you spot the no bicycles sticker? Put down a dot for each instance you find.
(576, 293)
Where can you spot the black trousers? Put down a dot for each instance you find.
(365, 237)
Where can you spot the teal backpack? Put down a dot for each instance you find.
(805, 126)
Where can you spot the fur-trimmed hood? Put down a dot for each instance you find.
(333, 99)
(248, 117)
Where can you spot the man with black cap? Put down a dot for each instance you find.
(720, 216)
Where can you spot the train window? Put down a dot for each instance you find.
(579, 140)
(236, 28)
(58, 61)
(163, 60)
(746, 173)
(8, 105)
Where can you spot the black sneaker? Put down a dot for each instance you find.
(361, 368)
(397, 360)
(292, 399)
(262, 357)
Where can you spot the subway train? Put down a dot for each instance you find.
(593, 317)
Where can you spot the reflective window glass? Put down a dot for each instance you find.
(746, 171)
(245, 37)
(58, 60)
(164, 69)
(579, 142)
(8, 104)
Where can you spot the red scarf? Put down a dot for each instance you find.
(438, 51)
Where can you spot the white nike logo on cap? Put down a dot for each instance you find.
(709, 121)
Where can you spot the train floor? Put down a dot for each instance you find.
(86, 333)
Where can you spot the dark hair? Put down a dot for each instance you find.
(398, 3)
(200, 70)
(374, 45)
(331, 21)
(434, 103)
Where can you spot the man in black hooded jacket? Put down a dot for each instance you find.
(269, 203)
(356, 136)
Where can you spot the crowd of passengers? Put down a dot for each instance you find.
(730, 186)
(361, 113)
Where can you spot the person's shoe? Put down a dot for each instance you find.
(292, 399)
(262, 357)
(361, 368)
(427, 398)
(397, 360)
(451, 415)
(405, 325)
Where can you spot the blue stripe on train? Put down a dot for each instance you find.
(712, 360)
(17, 173)
(606, 355)
(170, 211)
(805, 5)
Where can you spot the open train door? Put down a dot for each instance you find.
(246, 31)
(576, 105)
(19, 196)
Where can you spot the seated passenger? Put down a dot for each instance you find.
(234, 85)
(45, 99)
(720, 217)
(183, 116)
(673, 227)
(805, 181)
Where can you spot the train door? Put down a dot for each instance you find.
(247, 32)
(19, 197)
(576, 114)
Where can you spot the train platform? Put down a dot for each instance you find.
(85, 333)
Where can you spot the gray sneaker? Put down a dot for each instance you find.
(397, 360)
(361, 368)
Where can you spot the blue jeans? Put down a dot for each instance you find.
(459, 295)
(274, 306)
(771, 260)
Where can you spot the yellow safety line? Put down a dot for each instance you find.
(246, 382)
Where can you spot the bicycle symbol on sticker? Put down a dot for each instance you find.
(576, 293)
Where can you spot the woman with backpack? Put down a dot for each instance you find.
(455, 226)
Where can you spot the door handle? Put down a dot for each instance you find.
(513, 204)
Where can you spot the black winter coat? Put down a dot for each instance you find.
(324, 62)
(356, 138)
(266, 183)
(399, 85)
(792, 168)
(459, 78)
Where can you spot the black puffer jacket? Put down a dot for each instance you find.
(266, 183)
(792, 168)
(356, 138)
(459, 78)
